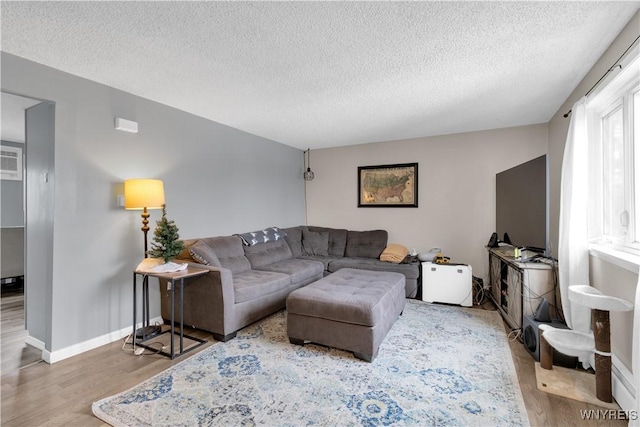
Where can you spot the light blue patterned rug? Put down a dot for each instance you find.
(438, 365)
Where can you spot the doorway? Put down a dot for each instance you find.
(21, 117)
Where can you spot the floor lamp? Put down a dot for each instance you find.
(144, 194)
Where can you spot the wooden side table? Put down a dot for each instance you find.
(174, 280)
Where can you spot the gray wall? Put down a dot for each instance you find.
(559, 125)
(456, 185)
(40, 181)
(218, 180)
(11, 192)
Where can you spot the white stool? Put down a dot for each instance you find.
(579, 344)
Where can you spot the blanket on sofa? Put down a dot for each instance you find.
(394, 253)
(270, 234)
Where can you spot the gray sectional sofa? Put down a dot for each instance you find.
(250, 278)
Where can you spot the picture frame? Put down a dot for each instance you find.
(391, 186)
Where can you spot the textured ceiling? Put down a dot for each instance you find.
(323, 74)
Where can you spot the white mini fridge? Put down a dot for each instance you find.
(447, 283)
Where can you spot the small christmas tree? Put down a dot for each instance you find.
(166, 243)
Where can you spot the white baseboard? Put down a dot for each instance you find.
(622, 384)
(34, 342)
(73, 350)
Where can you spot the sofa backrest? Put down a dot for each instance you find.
(366, 244)
(228, 250)
(341, 242)
(294, 240)
(232, 254)
(337, 239)
(262, 254)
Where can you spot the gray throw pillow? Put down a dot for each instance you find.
(366, 244)
(315, 243)
(203, 254)
(294, 240)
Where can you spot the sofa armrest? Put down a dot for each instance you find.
(209, 301)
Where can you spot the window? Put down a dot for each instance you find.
(614, 153)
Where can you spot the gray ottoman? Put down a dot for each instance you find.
(350, 309)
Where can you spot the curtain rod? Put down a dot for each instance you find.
(613, 67)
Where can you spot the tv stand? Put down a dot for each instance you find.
(534, 249)
(517, 288)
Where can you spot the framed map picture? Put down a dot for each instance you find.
(388, 186)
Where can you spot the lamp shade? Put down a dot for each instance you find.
(143, 193)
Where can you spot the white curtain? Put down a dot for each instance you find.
(573, 254)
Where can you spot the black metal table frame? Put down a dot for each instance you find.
(145, 314)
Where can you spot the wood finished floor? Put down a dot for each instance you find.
(14, 352)
(61, 394)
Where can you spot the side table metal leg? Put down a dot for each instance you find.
(145, 307)
(181, 315)
(173, 291)
(134, 311)
(146, 304)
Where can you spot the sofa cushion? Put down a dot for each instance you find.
(325, 260)
(230, 252)
(366, 244)
(358, 297)
(262, 254)
(337, 239)
(410, 271)
(300, 270)
(253, 284)
(185, 254)
(315, 243)
(294, 240)
(204, 254)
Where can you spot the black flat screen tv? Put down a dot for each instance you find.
(521, 204)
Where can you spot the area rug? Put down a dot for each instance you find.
(439, 365)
